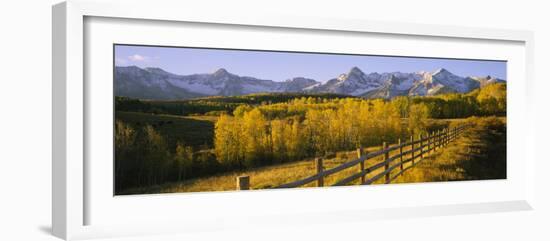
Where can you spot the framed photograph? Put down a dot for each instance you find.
(179, 121)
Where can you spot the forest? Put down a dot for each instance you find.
(157, 142)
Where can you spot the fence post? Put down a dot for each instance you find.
(432, 137)
(446, 136)
(434, 141)
(421, 146)
(243, 183)
(455, 134)
(319, 168)
(400, 153)
(452, 134)
(443, 138)
(412, 148)
(361, 164)
(429, 142)
(437, 139)
(386, 159)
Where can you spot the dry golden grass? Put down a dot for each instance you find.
(478, 154)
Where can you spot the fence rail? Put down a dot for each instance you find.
(418, 148)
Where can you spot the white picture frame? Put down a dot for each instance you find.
(71, 112)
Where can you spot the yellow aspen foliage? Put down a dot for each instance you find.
(257, 145)
(227, 141)
(418, 117)
(492, 99)
(279, 140)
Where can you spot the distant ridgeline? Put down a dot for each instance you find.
(488, 100)
(157, 84)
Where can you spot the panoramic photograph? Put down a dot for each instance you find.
(191, 119)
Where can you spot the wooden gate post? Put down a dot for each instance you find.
(361, 164)
(243, 183)
(386, 160)
(400, 153)
(319, 168)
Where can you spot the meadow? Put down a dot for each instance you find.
(195, 131)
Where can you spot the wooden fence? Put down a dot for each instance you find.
(418, 149)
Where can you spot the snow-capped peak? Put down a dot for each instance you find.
(443, 80)
(354, 74)
(342, 77)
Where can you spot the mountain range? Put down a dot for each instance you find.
(155, 83)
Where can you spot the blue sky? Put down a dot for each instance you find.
(279, 66)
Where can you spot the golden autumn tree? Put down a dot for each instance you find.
(296, 143)
(319, 130)
(418, 119)
(125, 163)
(279, 140)
(365, 123)
(255, 136)
(155, 155)
(228, 141)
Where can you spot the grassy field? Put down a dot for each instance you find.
(477, 154)
(194, 131)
